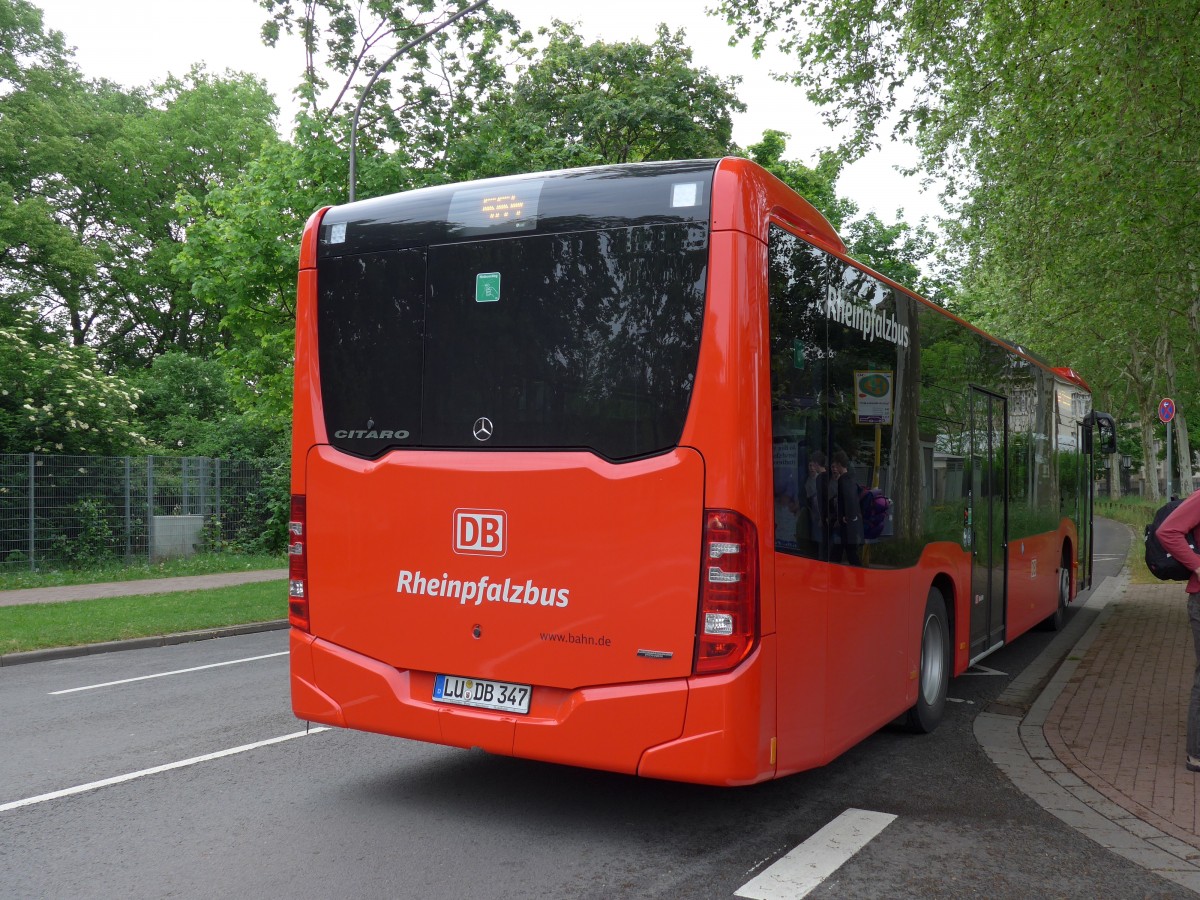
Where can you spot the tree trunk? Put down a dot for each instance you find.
(1141, 383)
(907, 502)
(1183, 455)
(1149, 454)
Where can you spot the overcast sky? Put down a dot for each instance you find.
(134, 42)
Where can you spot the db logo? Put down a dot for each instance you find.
(480, 532)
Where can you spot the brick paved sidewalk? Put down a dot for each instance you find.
(130, 588)
(1120, 722)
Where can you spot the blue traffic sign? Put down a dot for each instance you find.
(1166, 410)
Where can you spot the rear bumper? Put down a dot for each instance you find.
(706, 730)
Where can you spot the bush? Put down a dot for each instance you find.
(266, 509)
(90, 541)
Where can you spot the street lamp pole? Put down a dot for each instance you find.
(391, 59)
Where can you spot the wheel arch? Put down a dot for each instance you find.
(946, 584)
(1067, 559)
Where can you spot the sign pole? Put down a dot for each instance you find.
(1170, 468)
(1166, 412)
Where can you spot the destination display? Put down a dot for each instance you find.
(511, 207)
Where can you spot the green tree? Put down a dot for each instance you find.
(186, 406)
(904, 253)
(54, 399)
(419, 106)
(241, 260)
(243, 237)
(816, 185)
(193, 135)
(900, 251)
(1070, 139)
(242, 250)
(87, 220)
(25, 46)
(39, 88)
(578, 104)
(89, 172)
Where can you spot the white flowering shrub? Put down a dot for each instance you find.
(55, 398)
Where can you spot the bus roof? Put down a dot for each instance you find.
(705, 191)
(539, 203)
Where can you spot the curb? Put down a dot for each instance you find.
(1010, 732)
(161, 640)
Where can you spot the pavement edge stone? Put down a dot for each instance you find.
(161, 640)
(1011, 732)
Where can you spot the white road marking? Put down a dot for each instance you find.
(960, 700)
(130, 776)
(983, 670)
(231, 662)
(816, 859)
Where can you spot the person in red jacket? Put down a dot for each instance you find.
(1173, 534)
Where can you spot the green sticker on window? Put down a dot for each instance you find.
(798, 354)
(487, 287)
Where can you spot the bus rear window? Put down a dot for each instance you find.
(583, 340)
(370, 313)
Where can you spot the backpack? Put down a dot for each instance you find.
(1160, 563)
(875, 508)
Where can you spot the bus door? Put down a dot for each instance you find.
(987, 518)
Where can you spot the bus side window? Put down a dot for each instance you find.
(874, 386)
(797, 276)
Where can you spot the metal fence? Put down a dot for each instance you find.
(76, 511)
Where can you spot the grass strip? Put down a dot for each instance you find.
(1136, 561)
(14, 578)
(1137, 513)
(36, 626)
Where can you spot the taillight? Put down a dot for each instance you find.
(728, 625)
(298, 564)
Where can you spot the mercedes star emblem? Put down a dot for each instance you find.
(482, 429)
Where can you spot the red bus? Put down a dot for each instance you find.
(633, 468)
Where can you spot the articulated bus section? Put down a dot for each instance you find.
(563, 477)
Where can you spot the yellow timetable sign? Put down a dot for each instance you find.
(873, 397)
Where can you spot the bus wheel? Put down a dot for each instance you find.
(935, 667)
(1056, 620)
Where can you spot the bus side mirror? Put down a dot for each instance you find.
(1106, 432)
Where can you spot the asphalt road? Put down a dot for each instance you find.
(345, 814)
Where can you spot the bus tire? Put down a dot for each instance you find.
(1058, 618)
(934, 673)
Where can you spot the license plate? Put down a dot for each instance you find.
(497, 695)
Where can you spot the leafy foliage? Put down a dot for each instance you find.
(55, 399)
(149, 236)
(1068, 136)
(89, 233)
(91, 538)
(242, 250)
(419, 104)
(899, 251)
(88, 227)
(580, 104)
(818, 186)
(187, 407)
